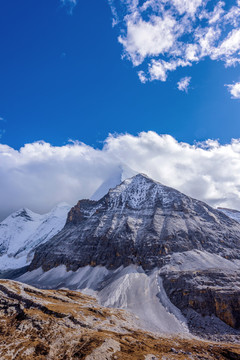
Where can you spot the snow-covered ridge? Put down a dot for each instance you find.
(233, 214)
(24, 230)
(140, 189)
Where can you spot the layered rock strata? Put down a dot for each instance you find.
(138, 222)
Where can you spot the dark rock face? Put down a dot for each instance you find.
(209, 292)
(139, 222)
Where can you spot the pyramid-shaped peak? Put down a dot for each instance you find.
(140, 181)
(141, 176)
(137, 191)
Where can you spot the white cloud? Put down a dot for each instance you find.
(184, 83)
(206, 40)
(175, 32)
(114, 13)
(232, 16)
(215, 15)
(70, 4)
(39, 175)
(234, 90)
(142, 77)
(148, 38)
(230, 45)
(192, 52)
(158, 69)
(187, 6)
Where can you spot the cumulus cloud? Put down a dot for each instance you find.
(184, 83)
(158, 70)
(234, 90)
(39, 176)
(159, 36)
(145, 38)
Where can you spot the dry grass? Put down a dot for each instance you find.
(67, 325)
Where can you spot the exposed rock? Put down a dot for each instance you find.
(139, 222)
(211, 294)
(49, 325)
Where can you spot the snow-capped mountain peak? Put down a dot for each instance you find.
(140, 190)
(22, 231)
(24, 213)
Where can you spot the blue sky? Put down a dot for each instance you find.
(165, 67)
(62, 77)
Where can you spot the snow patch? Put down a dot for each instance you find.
(195, 260)
(127, 288)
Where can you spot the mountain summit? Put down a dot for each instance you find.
(138, 222)
(170, 260)
(24, 230)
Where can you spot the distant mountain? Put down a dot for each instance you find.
(24, 230)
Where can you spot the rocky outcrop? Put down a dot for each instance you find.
(138, 222)
(211, 294)
(62, 324)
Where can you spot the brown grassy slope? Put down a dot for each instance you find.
(64, 325)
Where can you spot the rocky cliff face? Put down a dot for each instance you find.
(205, 297)
(139, 222)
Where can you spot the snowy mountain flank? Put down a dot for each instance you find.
(233, 214)
(171, 260)
(139, 222)
(24, 230)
